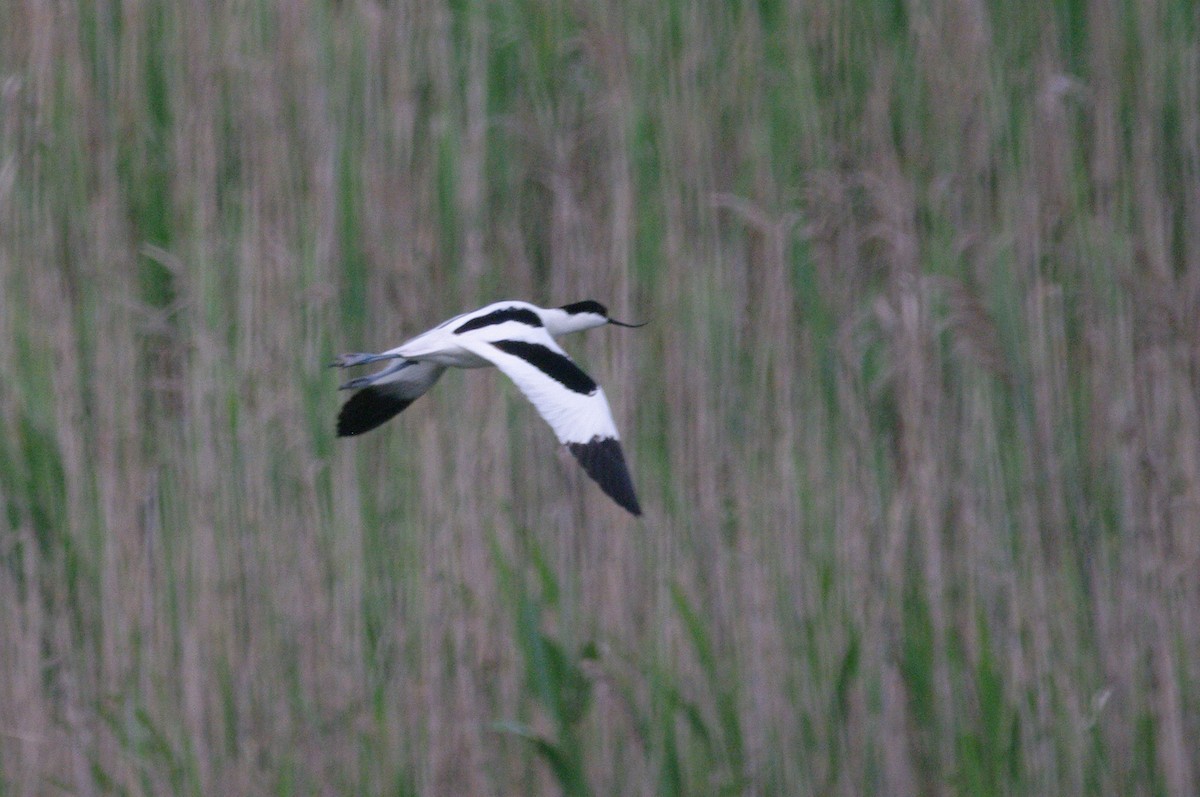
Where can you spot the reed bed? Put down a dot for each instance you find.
(914, 422)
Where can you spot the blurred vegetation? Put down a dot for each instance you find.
(915, 422)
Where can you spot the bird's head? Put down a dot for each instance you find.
(578, 316)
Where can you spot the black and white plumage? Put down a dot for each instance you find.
(519, 339)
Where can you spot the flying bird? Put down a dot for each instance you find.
(519, 339)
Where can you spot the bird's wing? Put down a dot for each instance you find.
(568, 399)
(385, 394)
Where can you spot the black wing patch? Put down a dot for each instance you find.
(367, 409)
(554, 365)
(519, 314)
(601, 457)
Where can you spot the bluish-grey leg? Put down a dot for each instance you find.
(351, 360)
(371, 379)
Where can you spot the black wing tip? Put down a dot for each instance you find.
(367, 409)
(602, 459)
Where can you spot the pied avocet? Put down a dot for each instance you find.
(518, 338)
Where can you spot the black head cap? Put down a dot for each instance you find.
(588, 306)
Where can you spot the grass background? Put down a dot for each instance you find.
(914, 423)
